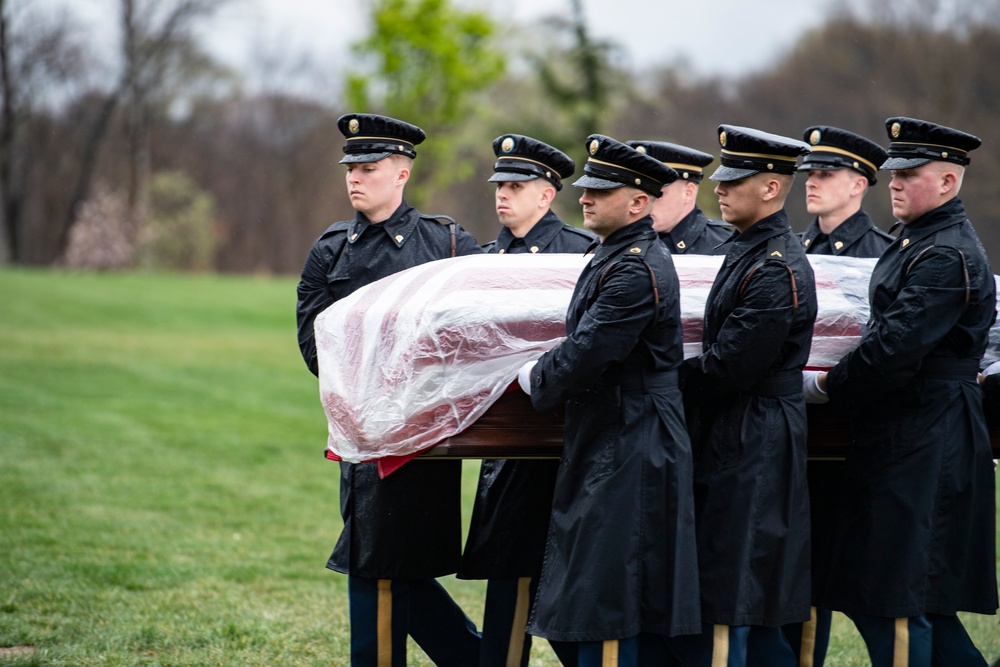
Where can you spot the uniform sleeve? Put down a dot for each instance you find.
(605, 335)
(465, 243)
(313, 298)
(892, 349)
(749, 340)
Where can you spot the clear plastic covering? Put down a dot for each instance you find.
(420, 355)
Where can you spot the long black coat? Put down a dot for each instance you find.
(510, 517)
(749, 431)
(916, 534)
(697, 234)
(856, 236)
(407, 525)
(620, 558)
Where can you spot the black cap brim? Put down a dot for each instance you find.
(898, 163)
(594, 183)
(726, 174)
(510, 176)
(365, 157)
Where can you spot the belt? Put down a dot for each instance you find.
(648, 380)
(948, 368)
(784, 383)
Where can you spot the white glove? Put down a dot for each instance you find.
(991, 369)
(810, 388)
(524, 376)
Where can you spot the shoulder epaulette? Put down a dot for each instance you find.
(452, 225)
(341, 226)
(637, 249)
(775, 252)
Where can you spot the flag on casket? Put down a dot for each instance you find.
(417, 357)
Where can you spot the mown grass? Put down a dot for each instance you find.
(163, 500)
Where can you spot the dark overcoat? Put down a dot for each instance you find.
(407, 525)
(856, 236)
(510, 517)
(620, 557)
(697, 234)
(916, 534)
(749, 431)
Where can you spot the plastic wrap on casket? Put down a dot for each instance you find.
(418, 356)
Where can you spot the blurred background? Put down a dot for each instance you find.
(201, 134)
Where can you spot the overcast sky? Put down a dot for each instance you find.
(715, 36)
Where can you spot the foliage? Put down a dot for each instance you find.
(426, 60)
(103, 236)
(180, 232)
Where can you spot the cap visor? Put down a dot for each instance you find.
(725, 174)
(895, 163)
(820, 166)
(509, 176)
(594, 183)
(364, 157)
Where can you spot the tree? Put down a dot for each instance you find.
(426, 60)
(40, 59)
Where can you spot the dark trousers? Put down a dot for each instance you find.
(809, 640)
(384, 611)
(931, 640)
(508, 602)
(735, 646)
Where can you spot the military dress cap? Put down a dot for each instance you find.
(522, 158)
(612, 164)
(371, 138)
(687, 162)
(746, 151)
(914, 142)
(834, 148)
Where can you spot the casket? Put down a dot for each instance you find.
(422, 362)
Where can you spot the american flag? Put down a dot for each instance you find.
(417, 357)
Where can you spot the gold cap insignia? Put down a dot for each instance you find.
(944, 154)
(594, 145)
(399, 238)
(400, 149)
(906, 242)
(807, 242)
(534, 248)
(856, 165)
(770, 166)
(776, 253)
(838, 245)
(641, 149)
(354, 126)
(722, 138)
(814, 137)
(686, 175)
(507, 145)
(635, 249)
(638, 181)
(896, 128)
(681, 245)
(548, 174)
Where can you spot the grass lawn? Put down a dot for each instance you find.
(163, 498)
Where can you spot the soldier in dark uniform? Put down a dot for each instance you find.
(748, 426)
(840, 168)
(402, 531)
(915, 540)
(620, 560)
(514, 499)
(676, 215)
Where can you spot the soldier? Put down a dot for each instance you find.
(676, 215)
(915, 538)
(514, 499)
(620, 560)
(840, 168)
(402, 531)
(749, 423)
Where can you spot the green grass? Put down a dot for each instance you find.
(163, 500)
